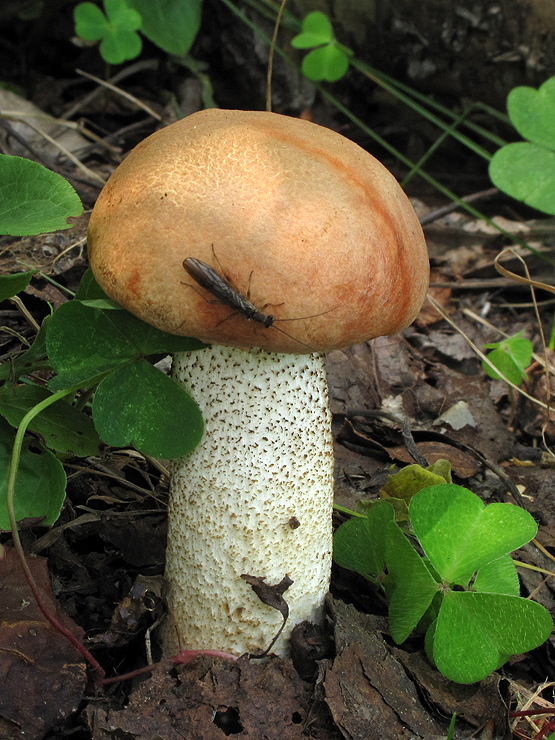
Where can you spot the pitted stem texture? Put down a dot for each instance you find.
(255, 497)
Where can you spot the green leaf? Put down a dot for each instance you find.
(506, 365)
(122, 16)
(408, 481)
(532, 113)
(34, 200)
(359, 544)
(326, 63)
(119, 46)
(89, 289)
(11, 285)
(476, 632)
(518, 348)
(62, 428)
(32, 359)
(521, 351)
(498, 577)
(90, 22)
(170, 24)
(316, 31)
(117, 32)
(139, 405)
(84, 342)
(412, 587)
(526, 172)
(41, 481)
(460, 534)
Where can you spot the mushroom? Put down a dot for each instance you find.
(313, 231)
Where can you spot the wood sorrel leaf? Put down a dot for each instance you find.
(526, 172)
(84, 342)
(139, 405)
(316, 31)
(498, 577)
(325, 63)
(460, 534)
(41, 480)
(61, 426)
(171, 25)
(532, 112)
(476, 632)
(359, 544)
(411, 585)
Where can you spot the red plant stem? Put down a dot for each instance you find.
(77, 644)
(182, 658)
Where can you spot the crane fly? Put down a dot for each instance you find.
(222, 289)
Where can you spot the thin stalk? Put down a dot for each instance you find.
(348, 512)
(437, 143)
(10, 501)
(480, 130)
(368, 72)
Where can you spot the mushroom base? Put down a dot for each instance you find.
(255, 497)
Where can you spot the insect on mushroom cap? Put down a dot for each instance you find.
(298, 219)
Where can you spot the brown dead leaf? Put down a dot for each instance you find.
(476, 703)
(405, 682)
(428, 314)
(43, 675)
(209, 698)
(368, 692)
(463, 465)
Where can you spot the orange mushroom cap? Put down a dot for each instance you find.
(306, 224)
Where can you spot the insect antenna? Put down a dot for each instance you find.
(312, 316)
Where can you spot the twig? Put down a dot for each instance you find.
(122, 93)
(140, 66)
(481, 355)
(445, 210)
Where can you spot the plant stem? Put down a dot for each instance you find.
(10, 501)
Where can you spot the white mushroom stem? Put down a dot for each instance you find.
(255, 497)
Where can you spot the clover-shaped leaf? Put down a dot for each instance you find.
(532, 113)
(329, 63)
(316, 32)
(171, 24)
(460, 534)
(330, 60)
(139, 405)
(475, 633)
(526, 170)
(116, 30)
(511, 357)
(359, 544)
(411, 586)
(479, 627)
(84, 342)
(134, 402)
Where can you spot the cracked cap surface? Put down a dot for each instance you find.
(299, 218)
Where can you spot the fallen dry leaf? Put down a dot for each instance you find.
(43, 675)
